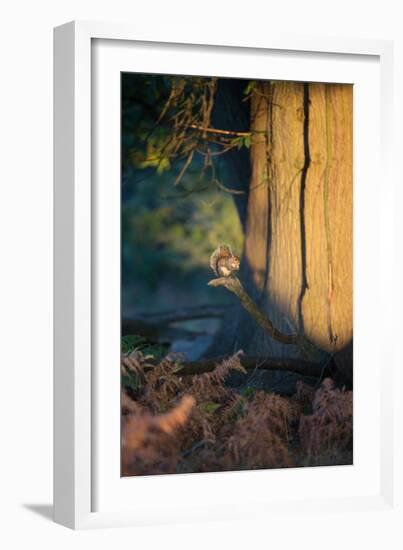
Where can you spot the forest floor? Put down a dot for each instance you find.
(173, 423)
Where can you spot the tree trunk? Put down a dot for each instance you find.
(297, 258)
(231, 112)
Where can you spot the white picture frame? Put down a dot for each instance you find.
(86, 420)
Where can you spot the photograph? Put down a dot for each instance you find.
(236, 274)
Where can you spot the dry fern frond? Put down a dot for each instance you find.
(161, 385)
(163, 371)
(328, 432)
(235, 407)
(201, 426)
(148, 444)
(210, 385)
(136, 363)
(129, 406)
(173, 423)
(260, 448)
(177, 417)
(211, 396)
(303, 396)
(332, 402)
(260, 437)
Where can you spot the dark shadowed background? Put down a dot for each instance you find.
(169, 229)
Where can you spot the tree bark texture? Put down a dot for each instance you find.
(297, 258)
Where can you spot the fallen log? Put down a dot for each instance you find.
(183, 314)
(297, 366)
(151, 325)
(155, 332)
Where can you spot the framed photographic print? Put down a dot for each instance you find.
(266, 166)
(222, 239)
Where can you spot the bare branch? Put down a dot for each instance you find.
(182, 314)
(184, 168)
(234, 285)
(297, 366)
(217, 131)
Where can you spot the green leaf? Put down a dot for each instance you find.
(131, 382)
(209, 407)
(163, 165)
(133, 342)
(249, 87)
(248, 392)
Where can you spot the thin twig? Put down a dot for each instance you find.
(216, 131)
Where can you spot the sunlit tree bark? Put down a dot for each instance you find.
(297, 259)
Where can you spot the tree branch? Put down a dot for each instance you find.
(180, 314)
(216, 131)
(154, 331)
(234, 285)
(305, 368)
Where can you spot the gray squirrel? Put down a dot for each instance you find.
(223, 262)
